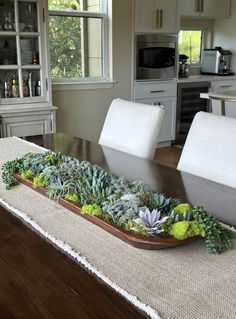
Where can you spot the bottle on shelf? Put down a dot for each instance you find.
(31, 84)
(35, 58)
(14, 88)
(8, 24)
(25, 88)
(6, 90)
(38, 88)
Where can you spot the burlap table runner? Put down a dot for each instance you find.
(178, 283)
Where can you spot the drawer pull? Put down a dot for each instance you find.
(226, 86)
(157, 91)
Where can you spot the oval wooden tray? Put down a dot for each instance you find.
(138, 241)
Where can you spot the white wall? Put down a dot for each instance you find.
(224, 34)
(82, 112)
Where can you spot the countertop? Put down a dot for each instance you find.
(209, 78)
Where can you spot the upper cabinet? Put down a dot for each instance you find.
(156, 16)
(213, 9)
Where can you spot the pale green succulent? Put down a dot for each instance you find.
(151, 221)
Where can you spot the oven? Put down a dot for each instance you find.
(155, 57)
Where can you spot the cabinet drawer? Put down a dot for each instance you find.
(223, 85)
(150, 90)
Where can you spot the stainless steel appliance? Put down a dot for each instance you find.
(183, 66)
(188, 104)
(216, 61)
(156, 57)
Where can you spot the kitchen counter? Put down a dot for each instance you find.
(209, 78)
(228, 95)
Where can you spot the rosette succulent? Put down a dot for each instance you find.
(151, 221)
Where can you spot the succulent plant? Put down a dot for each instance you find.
(160, 202)
(151, 221)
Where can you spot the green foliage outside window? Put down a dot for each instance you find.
(190, 44)
(65, 41)
(64, 4)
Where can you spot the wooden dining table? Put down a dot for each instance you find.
(38, 280)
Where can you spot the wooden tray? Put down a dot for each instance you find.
(154, 242)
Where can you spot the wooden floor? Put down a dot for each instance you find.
(168, 156)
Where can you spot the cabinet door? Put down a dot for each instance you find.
(216, 9)
(167, 16)
(167, 132)
(156, 16)
(144, 15)
(189, 8)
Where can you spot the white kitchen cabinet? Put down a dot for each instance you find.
(156, 16)
(24, 72)
(163, 93)
(214, 9)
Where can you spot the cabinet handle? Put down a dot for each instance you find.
(157, 91)
(226, 86)
(197, 5)
(201, 5)
(157, 18)
(161, 18)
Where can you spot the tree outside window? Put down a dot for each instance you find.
(76, 38)
(190, 44)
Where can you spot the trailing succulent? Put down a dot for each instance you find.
(131, 205)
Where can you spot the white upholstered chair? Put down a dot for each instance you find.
(132, 127)
(210, 149)
(223, 105)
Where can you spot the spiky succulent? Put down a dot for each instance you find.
(151, 221)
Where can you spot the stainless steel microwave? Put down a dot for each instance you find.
(155, 57)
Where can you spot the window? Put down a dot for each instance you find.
(190, 44)
(78, 40)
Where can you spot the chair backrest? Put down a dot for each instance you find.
(210, 149)
(223, 105)
(132, 127)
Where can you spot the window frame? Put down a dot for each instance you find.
(96, 82)
(203, 43)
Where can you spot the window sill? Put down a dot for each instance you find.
(82, 86)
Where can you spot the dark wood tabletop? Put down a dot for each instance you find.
(39, 281)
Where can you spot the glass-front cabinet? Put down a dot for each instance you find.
(24, 73)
